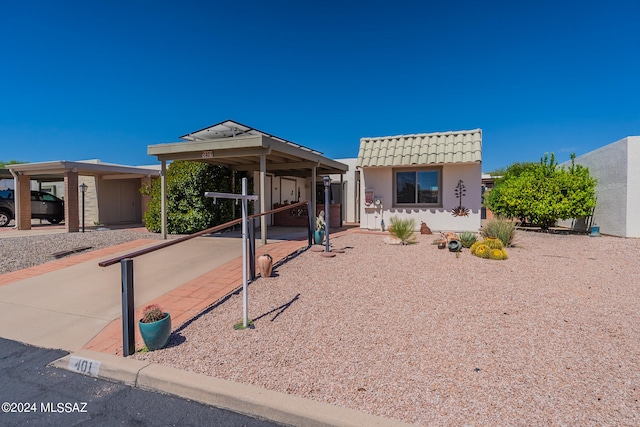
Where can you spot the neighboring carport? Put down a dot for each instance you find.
(68, 172)
(242, 148)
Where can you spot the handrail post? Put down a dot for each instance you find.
(252, 248)
(128, 333)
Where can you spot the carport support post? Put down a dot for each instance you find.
(163, 199)
(263, 178)
(327, 188)
(128, 333)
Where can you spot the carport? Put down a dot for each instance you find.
(242, 148)
(69, 173)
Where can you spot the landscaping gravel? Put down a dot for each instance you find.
(413, 333)
(27, 251)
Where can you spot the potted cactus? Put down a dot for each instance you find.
(155, 327)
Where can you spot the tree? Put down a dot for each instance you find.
(10, 162)
(542, 193)
(188, 210)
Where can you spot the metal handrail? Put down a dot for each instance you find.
(168, 243)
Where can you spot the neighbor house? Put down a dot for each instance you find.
(617, 168)
(422, 176)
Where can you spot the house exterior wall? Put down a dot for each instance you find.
(380, 180)
(120, 201)
(633, 186)
(349, 197)
(615, 166)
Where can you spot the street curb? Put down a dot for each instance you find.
(241, 398)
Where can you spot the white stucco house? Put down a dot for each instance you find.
(617, 168)
(421, 176)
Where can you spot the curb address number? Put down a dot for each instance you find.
(84, 366)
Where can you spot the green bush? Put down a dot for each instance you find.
(542, 193)
(403, 229)
(499, 228)
(188, 210)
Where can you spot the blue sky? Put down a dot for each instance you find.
(105, 79)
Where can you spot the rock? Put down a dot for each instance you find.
(424, 229)
(392, 240)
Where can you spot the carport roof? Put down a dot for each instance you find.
(55, 170)
(239, 147)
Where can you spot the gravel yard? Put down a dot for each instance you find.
(548, 337)
(26, 251)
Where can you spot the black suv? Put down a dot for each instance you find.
(43, 206)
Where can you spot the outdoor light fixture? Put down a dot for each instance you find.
(327, 185)
(83, 190)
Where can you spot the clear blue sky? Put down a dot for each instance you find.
(105, 79)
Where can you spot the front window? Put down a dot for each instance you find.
(418, 187)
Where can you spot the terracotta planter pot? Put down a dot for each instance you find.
(265, 265)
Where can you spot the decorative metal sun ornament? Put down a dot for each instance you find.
(460, 210)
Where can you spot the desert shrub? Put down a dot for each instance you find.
(403, 229)
(499, 228)
(467, 238)
(543, 193)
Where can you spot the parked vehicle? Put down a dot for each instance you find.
(43, 206)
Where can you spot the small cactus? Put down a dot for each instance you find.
(152, 313)
(496, 254)
(474, 246)
(493, 243)
(482, 251)
(504, 254)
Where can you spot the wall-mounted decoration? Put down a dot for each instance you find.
(368, 197)
(460, 191)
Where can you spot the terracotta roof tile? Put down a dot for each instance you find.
(464, 146)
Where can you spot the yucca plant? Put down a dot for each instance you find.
(499, 228)
(403, 229)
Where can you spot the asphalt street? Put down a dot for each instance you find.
(32, 393)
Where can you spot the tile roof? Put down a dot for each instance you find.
(463, 146)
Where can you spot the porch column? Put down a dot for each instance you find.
(343, 201)
(163, 199)
(313, 194)
(22, 195)
(263, 178)
(71, 209)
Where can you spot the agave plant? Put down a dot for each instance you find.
(403, 229)
(467, 238)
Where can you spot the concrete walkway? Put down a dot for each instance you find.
(74, 304)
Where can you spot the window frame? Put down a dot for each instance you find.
(395, 172)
